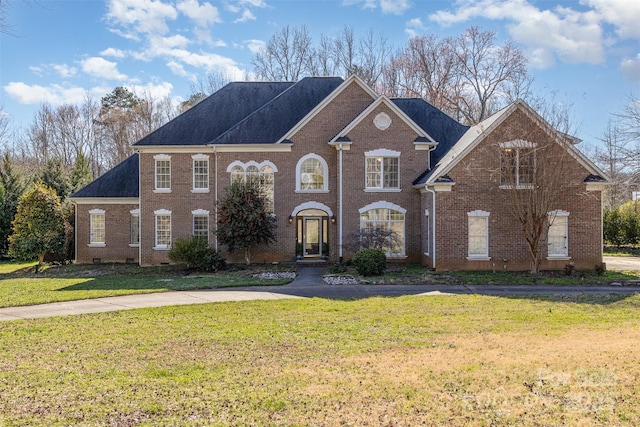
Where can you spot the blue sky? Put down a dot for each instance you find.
(587, 52)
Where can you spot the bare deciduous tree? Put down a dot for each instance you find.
(534, 172)
(469, 77)
(286, 56)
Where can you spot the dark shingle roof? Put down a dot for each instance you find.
(273, 120)
(121, 181)
(445, 130)
(215, 114)
(594, 178)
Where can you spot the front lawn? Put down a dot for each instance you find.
(416, 360)
(417, 274)
(20, 286)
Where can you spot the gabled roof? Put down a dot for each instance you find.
(273, 121)
(353, 79)
(119, 182)
(475, 134)
(214, 115)
(393, 107)
(445, 130)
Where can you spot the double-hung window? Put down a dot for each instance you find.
(478, 235)
(201, 224)
(97, 228)
(382, 170)
(163, 229)
(162, 173)
(135, 228)
(517, 164)
(558, 235)
(200, 173)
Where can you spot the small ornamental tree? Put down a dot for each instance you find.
(243, 219)
(38, 227)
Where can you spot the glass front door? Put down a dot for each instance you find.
(312, 236)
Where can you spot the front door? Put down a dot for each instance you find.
(312, 236)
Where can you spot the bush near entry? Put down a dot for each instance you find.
(196, 253)
(370, 262)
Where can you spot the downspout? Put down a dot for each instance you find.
(340, 204)
(433, 228)
(215, 197)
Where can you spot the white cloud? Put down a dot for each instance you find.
(64, 70)
(203, 15)
(113, 52)
(100, 67)
(142, 16)
(247, 15)
(37, 94)
(624, 15)
(254, 3)
(414, 27)
(255, 46)
(562, 33)
(395, 7)
(630, 68)
(156, 91)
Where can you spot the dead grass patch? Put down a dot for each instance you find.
(445, 360)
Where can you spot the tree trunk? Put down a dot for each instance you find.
(247, 256)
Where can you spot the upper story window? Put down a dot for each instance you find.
(200, 173)
(382, 171)
(162, 173)
(517, 164)
(263, 172)
(312, 174)
(97, 228)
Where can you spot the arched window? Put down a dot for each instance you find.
(382, 226)
(312, 174)
(263, 172)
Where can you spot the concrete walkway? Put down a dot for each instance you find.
(307, 284)
(129, 302)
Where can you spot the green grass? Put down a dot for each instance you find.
(622, 251)
(18, 286)
(417, 274)
(430, 360)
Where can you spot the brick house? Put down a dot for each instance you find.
(336, 158)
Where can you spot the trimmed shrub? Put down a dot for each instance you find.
(196, 253)
(370, 262)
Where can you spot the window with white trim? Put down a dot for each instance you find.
(162, 173)
(478, 234)
(163, 229)
(97, 228)
(201, 223)
(135, 227)
(558, 234)
(312, 174)
(517, 164)
(384, 228)
(200, 173)
(263, 172)
(382, 170)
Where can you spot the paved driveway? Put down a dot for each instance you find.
(622, 263)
